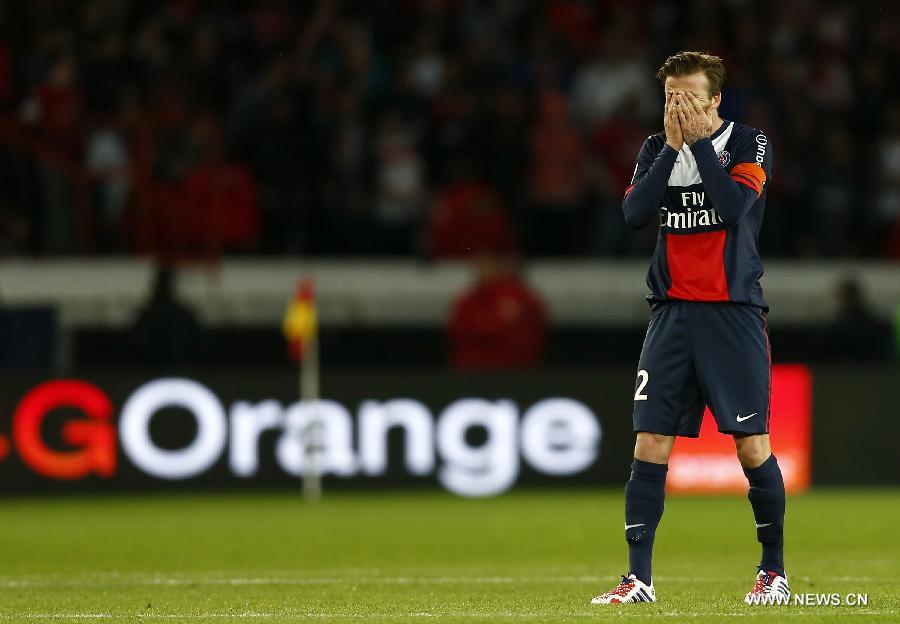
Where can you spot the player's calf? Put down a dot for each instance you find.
(766, 495)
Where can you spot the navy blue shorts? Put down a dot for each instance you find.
(697, 354)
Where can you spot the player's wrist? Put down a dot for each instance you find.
(699, 141)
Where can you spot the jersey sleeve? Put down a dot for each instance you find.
(642, 166)
(648, 183)
(735, 191)
(753, 161)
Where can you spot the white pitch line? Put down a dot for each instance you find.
(183, 581)
(263, 581)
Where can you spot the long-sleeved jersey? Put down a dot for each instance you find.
(709, 199)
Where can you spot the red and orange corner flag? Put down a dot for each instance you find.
(300, 322)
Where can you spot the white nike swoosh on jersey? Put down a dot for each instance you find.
(631, 526)
(759, 526)
(743, 418)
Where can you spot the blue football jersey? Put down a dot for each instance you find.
(699, 256)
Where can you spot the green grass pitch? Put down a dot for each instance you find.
(534, 556)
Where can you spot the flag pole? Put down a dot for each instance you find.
(301, 329)
(309, 394)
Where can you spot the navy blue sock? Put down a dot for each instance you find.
(645, 496)
(767, 498)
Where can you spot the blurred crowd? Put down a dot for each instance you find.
(430, 128)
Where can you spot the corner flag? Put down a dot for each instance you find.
(301, 328)
(300, 324)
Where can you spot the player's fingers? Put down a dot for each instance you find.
(700, 110)
(695, 103)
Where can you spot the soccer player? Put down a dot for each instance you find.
(704, 178)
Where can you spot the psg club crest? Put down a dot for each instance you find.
(724, 158)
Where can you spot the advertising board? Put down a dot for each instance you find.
(474, 435)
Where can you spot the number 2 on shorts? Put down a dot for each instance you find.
(644, 376)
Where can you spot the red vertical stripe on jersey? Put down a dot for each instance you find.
(697, 266)
(769, 353)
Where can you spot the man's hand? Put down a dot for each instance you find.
(696, 123)
(674, 137)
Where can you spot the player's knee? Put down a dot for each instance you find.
(752, 457)
(653, 447)
(753, 450)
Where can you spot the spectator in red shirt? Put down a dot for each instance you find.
(202, 207)
(558, 181)
(499, 323)
(468, 217)
(221, 196)
(57, 106)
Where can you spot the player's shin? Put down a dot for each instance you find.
(767, 498)
(645, 495)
